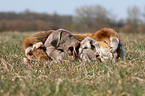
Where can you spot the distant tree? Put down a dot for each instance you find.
(143, 14)
(91, 17)
(133, 16)
(32, 21)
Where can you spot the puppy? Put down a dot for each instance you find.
(108, 40)
(90, 50)
(34, 46)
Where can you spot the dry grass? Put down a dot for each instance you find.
(68, 77)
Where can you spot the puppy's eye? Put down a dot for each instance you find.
(105, 42)
(70, 36)
(85, 47)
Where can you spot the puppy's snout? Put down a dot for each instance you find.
(70, 50)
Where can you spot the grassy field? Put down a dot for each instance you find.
(71, 78)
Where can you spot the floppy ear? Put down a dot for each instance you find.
(61, 31)
(54, 39)
(59, 37)
(76, 51)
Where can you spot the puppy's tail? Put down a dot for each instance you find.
(122, 53)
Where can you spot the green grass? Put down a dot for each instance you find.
(68, 78)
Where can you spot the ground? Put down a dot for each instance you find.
(67, 78)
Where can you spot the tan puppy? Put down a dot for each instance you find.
(108, 40)
(104, 36)
(90, 50)
(33, 46)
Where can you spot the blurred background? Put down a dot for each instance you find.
(126, 16)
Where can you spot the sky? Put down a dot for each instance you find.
(67, 7)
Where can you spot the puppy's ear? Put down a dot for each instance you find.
(76, 51)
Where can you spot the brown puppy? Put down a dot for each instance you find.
(108, 39)
(87, 50)
(33, 45)
(34, 48)
(102, 36)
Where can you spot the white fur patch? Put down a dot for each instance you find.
(64, 30)
(87, 42)
(114, 41)
(104, 53)
(37, 45)
(28, 50)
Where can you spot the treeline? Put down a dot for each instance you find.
(86, 19)
(31, 21)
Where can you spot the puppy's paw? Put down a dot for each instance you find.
(38, 45)
(28, 50)
(29, 53)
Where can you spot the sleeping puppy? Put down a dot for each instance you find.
(34, 46)
(90, 50)
(108, 40)
(103, 36)
(35, 49)
(86, 50)
(48, 45)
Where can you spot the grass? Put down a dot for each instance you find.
(68, 78)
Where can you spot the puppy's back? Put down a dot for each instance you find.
(36, 37)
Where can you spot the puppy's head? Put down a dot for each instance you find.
(87, 43)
